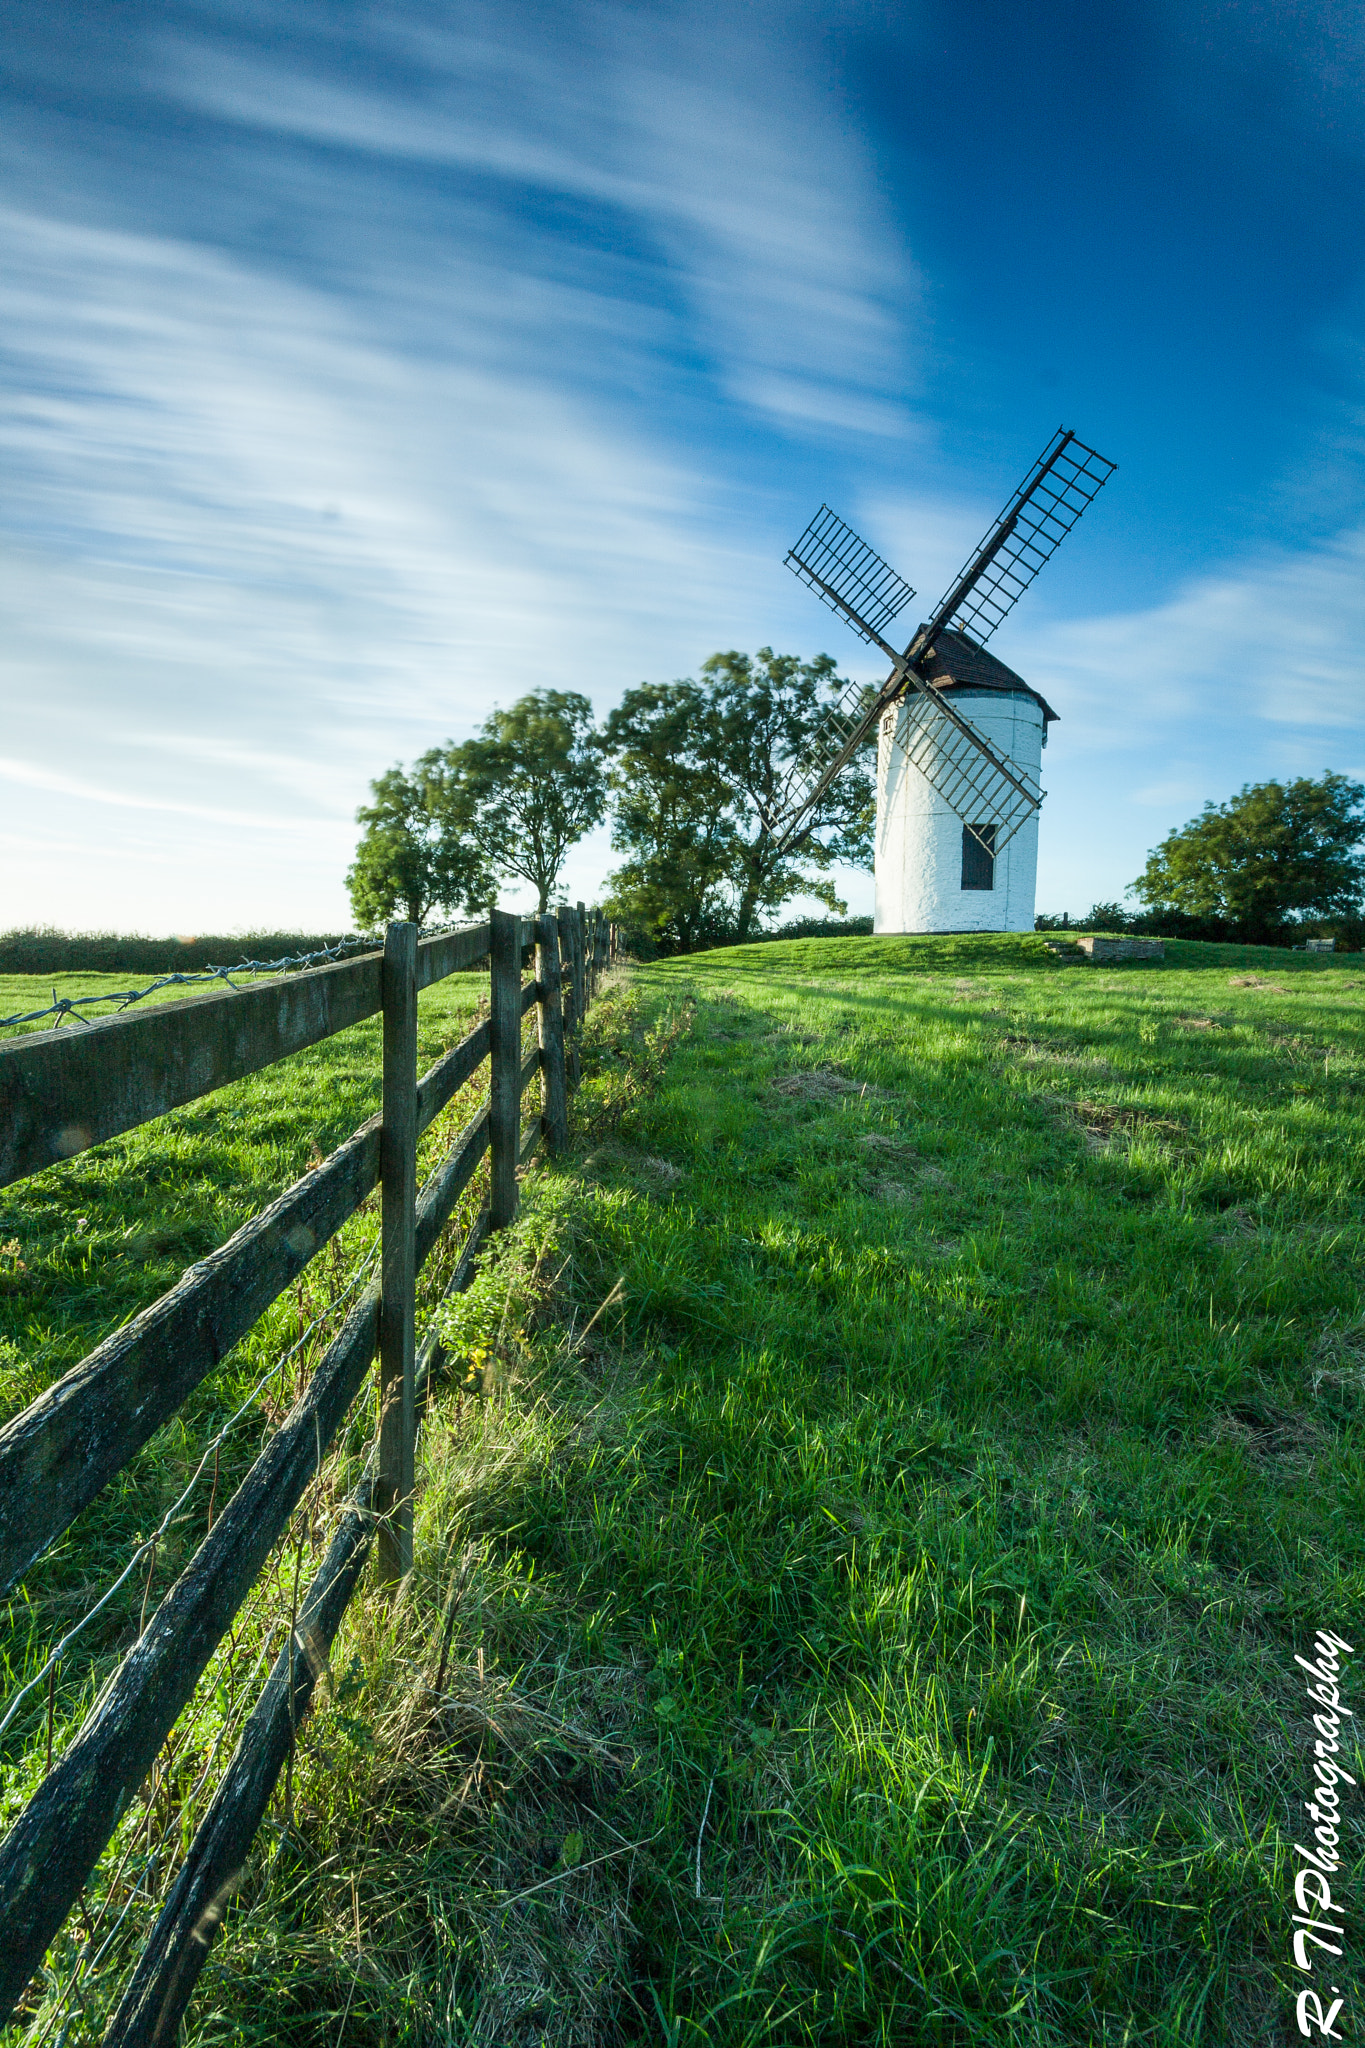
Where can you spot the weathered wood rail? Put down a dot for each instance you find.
(62, 1091)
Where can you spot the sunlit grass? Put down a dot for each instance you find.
(877, 1625)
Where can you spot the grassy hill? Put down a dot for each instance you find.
(898, 1456)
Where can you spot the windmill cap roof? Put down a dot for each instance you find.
(954, 661)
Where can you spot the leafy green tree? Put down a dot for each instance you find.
(1106, 917)
(670, 814)
(697, 775)
(529, 785)
(770, 710)
(413, 857)
(1274, 855)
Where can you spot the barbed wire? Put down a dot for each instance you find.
(86, 1964)
(133, 1872)
(144, 1549)
(63, 1006)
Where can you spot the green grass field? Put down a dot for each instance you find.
(86, 1245)
(860, 1564)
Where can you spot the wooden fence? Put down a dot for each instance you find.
(64, 1090)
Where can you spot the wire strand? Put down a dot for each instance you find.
(64, 1006)
(59, 1650)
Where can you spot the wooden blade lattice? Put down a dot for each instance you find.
(848, 576)
(845, 724)
(961, 768)
(1035, 522)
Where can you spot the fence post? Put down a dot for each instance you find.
(567, 987)
(398, 1258)
(580, 972)
(504, 1086)
(550, 1019)
(561, 914)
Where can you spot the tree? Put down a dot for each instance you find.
(697, 772)
(413, 856)
(670, 814)
(1274, 855)
(770, 710)
(529, 785)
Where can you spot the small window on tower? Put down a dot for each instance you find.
(978, 856)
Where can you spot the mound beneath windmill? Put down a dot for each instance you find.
(898, 953)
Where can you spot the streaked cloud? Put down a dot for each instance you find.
(343, 497)
(751, 207)
(363, 371)
(1278, 642)
(1252, 674)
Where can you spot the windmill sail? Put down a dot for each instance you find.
(855, 582)
(846, 575)
(965, 770)
(972, 777)
(1033, 525)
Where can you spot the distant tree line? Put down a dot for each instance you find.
(1276, 864)
(688, 773)
(43, 949)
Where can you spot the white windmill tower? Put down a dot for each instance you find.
(960, 736)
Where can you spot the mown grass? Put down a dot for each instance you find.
(877, 1624)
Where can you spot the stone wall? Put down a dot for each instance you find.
(1120, 949)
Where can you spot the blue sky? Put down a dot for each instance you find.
(362, 367)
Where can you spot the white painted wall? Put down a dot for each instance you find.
(919, 840)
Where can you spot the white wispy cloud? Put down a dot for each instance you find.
(764, 217)
(451, 356)
(1265, 653)
(1254, 673)
(341, 500)
(31, 776)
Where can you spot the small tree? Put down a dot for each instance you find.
(414, 857)
(670, 815)
(1106, 917)
(769, 711)
(1274, 855)
(528, 786)
(698, 769)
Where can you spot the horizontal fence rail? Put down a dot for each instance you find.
(176, 1949)
(62, 1091)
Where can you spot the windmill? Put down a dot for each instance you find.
(940, 772)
